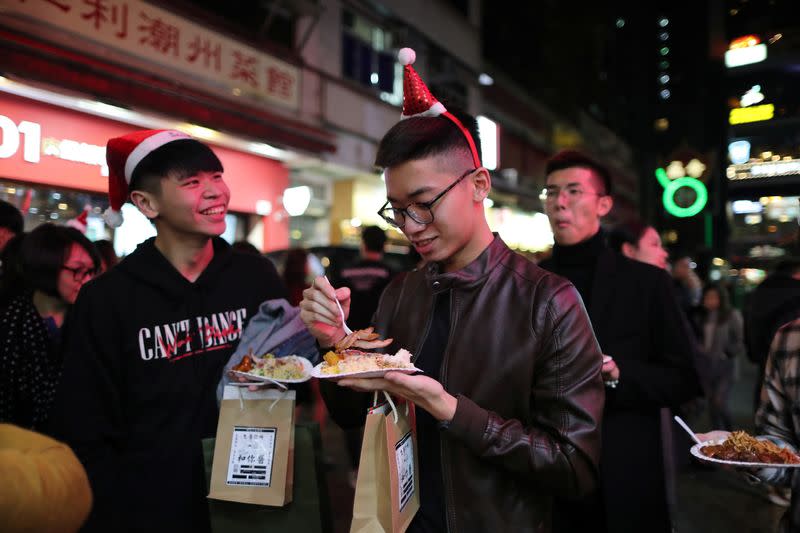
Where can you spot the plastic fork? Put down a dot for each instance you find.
(347, 330)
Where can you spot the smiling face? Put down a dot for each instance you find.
(194, 205)
(577, 206)
(454, 237)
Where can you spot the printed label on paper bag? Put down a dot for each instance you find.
(404, 451)
(250, 462)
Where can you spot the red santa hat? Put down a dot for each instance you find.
(419, 102)
(79, 222)
(123, 154)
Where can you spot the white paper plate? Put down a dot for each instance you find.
(317, 373)
(307, 372)
(697, 453)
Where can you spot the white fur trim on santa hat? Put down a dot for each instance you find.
(148, 145)
(113, 218)
(406, 56)
(434, 111)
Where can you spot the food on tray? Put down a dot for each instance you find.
(743, 448)
(269, 366)
(346, 360)
(351, 361)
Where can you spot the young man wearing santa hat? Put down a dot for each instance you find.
(147, 341)
(509, 404)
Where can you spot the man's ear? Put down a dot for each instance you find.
(604, 205)
(147, 203)
(483, 184)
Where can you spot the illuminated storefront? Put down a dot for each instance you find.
(52, 166)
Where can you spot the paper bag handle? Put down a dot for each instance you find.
(269, 409)
(391, 403)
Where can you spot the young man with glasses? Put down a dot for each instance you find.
(649, 360)
(508, 404)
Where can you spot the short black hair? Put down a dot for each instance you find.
(181, 158)
(374, 238)
(44, 251)
(11, 218)
(422, 137)
(572, 159)
(630, 232)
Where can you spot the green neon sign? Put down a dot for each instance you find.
(672, 186)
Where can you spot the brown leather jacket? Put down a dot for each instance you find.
(524, 363)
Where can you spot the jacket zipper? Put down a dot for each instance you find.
(450, 513)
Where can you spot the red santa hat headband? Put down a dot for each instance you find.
(123, 154)
(419, 102)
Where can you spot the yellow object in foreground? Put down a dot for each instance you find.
(44, 487)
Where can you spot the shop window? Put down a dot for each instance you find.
(368, 57)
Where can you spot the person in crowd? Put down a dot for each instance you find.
(11, 223)
(648, 363)
(688, 286)
(722, 341)
(53, 264)
(108, 256)
(366, 279)
(44, 487)
(776, 418)
(638, 241)
(146, 342)
(295, 274)
(509, 402)
(773, 303)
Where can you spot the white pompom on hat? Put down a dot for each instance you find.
(123, 154)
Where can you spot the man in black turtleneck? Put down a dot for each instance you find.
(648, 363)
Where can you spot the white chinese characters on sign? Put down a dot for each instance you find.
(204, 58)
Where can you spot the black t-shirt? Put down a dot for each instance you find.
(366, 280)
(431, 515)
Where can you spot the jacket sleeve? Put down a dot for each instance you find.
(559, 447)
(667, 375)
(88, 412)
(44, 486)
(774, 413)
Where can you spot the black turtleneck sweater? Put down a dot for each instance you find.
(578, 263)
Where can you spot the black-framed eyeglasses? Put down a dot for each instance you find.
(420, 212)
(81, 273)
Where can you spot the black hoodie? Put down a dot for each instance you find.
(144, 350)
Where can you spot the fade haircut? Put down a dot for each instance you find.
(418, 138)
(179, 159)
(575, 159)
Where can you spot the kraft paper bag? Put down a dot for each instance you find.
(387, 487)
(253, 458)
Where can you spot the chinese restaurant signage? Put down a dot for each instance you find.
(197, 55)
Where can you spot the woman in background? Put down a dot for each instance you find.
(638, 241)
(722, 340)
(51, 266)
